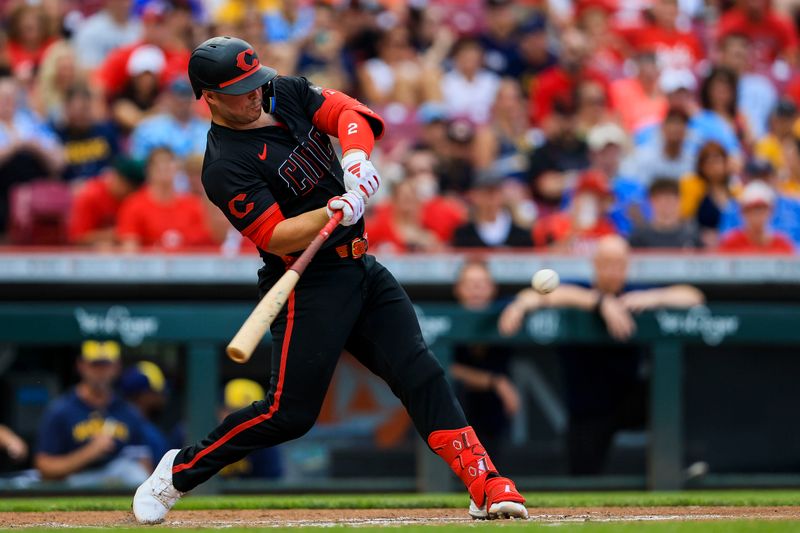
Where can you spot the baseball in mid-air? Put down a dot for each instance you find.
(545, 281)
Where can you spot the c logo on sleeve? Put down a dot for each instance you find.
(235, 211)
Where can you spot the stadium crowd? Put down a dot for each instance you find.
(673, 123)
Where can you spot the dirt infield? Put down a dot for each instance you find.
(394, 517)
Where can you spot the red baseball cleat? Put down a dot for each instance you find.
(502, 500)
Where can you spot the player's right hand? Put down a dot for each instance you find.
(360, 174)
(351, 205)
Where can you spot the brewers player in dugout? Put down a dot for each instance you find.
(271, 168)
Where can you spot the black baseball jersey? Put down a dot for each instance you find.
(276, 172)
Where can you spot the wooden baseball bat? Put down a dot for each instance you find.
(255, 327)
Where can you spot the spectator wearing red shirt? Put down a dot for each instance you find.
(113, 75)
(397, 224)
(755, 236)
(585, 220)
(97, 202)
(157, 216)
(557, 85)
(27, 39)
(771, 35)
(674, 48)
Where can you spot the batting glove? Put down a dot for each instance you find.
(351, 205)
(360, 174)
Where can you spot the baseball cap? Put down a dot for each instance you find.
(593, 181)
(757, 194)
(241, 392)
(460, 130)
(146, 58)
(602, 135)
(93, 351)
(675, 79)
(142, 377)
(131, 170)
(430, 112)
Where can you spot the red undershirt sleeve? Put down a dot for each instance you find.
(355, 133)
(337, 114)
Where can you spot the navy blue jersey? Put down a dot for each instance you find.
(69, 423)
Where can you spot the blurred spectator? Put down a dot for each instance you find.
(592, 106)
(605, 387)
(28, 38)
(13, 445)
(481, 372)
(499, 38)
(158, 216)
(97, 202)
(771, 36)
(457, 153)
(231, 12)
(559, 84)
(667, 155)
(440, 214)
(638, 100)
(607, 145)
(505, 142)
(785, 210)
(291, 21)
(143, 386)
(607, 48)
(490, 224)
(28, 148)
(138, 97)
(89, 144)
(109, 28)
(57, 74)
(675, 48)
(90, 436)
(585, 220)
(563, 151)
(666, 228)
(719, 100)
(176, 127)
(757, 94)
(780, 138)
(754, 236)
(114, 74)
(706, 193)
(468, 90)
(397, 224)
(396, 74)
(321, 56)
(534, 51)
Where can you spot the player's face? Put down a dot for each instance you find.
(236, 110)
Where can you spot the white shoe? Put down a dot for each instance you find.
(156, 496)
(497, 510)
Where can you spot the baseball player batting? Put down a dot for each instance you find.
(270, 167)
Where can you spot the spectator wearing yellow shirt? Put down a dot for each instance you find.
(706, 192)
(780, 139)
(232, 12)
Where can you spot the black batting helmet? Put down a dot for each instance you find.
(227, 65)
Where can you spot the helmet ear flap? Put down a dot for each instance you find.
(268, 97)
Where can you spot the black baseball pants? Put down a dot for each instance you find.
(352, 304)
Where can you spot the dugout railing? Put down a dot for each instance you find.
(204, 327)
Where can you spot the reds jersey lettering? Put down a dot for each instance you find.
(307, 163)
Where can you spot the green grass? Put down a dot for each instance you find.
(648, 527)
(407, 501)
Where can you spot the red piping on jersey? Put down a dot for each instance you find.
(327, 116)
(287, 337)
(261, 229)
(255, 68)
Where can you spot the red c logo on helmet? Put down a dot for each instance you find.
(241, 60)
(232, 206)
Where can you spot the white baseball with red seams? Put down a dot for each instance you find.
(545, 281)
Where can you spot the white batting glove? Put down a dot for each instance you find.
(360, 174)
(351, 204)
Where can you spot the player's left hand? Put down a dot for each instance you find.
(360, 174)
(351, 205)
